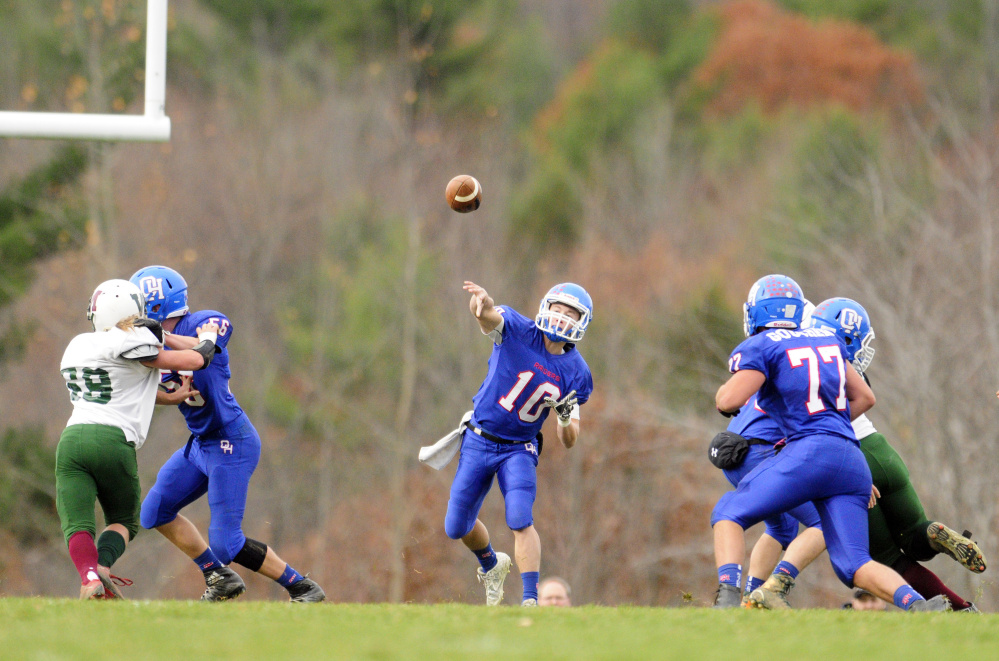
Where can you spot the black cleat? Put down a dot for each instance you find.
(223, 584)
(727, 596)
(937, 603)
(306, 591)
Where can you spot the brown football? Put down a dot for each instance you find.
(463, 193)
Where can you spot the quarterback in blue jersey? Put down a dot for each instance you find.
(534, 367)
(218, 459)
(804, 382)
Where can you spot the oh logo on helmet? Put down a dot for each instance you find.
(850, 319)
(152, 287)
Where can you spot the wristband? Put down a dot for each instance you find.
(564, 423)
(208, 335)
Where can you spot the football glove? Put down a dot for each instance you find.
(153, 325)
(563, 407)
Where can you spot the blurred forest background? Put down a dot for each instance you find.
(662, 153)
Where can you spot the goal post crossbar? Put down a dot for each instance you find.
(152, 126)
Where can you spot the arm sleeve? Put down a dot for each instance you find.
(496, 334)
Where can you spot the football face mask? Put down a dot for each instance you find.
(558, 326)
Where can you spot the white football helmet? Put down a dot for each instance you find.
(112, 301)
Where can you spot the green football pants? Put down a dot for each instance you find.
(94, 463)
(897, 523)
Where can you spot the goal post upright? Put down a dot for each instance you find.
(152, 126)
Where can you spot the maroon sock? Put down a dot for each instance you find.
(929, 585)
(83, 552)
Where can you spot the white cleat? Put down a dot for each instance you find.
(493, 579)
(530, 603)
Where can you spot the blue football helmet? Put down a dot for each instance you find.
(853, 325)
(165, 291)
(775, 301)
(560, 327)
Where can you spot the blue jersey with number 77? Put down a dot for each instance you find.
(805, 390)
(522, 373)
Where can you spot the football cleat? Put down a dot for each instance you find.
(971, 608)
(772, 595)
(223, 584)
(493, 579)
(944, 540)
(937, 603)
(727, 596)
(92, 590)
(111, 583)
(306, 591)
(529, 603)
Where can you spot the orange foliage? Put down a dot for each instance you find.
(778, 59)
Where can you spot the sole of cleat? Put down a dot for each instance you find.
(958, 547)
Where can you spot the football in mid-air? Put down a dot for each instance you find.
(463, 193)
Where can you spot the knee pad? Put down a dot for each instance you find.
(457, 525)
(149, 514)
(843, 572)
(251, 555)
(519, 509)
(783, 529)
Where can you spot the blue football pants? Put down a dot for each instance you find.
(220, 467)
(829, 471)
(515, 468)
(784, 526)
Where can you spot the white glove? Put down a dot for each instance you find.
(563, 407)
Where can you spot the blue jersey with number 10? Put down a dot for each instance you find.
(805, 390)
(511, 401)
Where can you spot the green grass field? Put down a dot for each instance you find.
(189, 631)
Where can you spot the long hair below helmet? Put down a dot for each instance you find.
(112, 301)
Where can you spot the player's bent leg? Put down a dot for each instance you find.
(762, 560)
(179, 483)
(471, 483)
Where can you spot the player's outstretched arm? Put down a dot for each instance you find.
(196, 358)
(738, 389)
(482, 307)
(858, 392)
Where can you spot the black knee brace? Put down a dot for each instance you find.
(252, 555)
